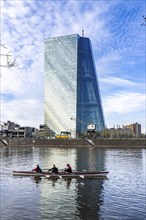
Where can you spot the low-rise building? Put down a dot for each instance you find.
(23, 132)
(8, 126)
(119, 132)
(135, 128)
(11, 129)
(126, 131)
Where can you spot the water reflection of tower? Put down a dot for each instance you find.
(90, 159)
(89, 198)
(51, 195)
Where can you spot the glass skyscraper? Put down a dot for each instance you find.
(72, 97)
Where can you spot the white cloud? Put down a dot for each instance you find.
(125, 108)
(26, 112)
(124, 102)
(112, 82)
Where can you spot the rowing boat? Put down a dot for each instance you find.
(74, 174)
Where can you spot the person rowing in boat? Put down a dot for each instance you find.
(54, 169)
(37, 169)
(68, 168)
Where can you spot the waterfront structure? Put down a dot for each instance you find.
(13, 130)
(117, 133)
(72, 96)
(23, 132)
(126, 131)
(8, 126)
(135, 128)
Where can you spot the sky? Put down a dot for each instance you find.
(117, 31)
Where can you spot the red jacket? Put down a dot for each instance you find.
(37, 169)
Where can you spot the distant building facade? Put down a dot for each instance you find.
(126, 131)
(135, 128)
(117, 133)
(9, 126)
(72, 96)
(23, 132)
(14, 130)
(45, 132)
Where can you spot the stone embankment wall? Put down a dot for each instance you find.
(77, 142)
(120, 142)
(48, 142)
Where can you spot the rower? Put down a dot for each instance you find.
(68, 168)
(37, 169)
(54, 169)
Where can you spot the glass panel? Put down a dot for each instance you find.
(89, 110)
(60, 82)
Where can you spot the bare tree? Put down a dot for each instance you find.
(144, 23)
(6, 58)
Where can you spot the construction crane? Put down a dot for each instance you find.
(78, 121)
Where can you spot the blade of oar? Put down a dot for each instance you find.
(47, 176)
(81, 176)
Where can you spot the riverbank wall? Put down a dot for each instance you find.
(141, 143)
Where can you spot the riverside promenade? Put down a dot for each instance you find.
(73, 143)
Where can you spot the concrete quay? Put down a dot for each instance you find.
(73, 143)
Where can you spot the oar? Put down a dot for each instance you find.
(48, 176)
(82, 176)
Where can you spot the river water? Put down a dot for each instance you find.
(120, 196)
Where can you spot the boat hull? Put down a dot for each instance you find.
(61, 175)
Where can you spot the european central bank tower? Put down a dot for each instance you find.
(72, 97)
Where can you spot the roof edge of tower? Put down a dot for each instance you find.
(62, 36)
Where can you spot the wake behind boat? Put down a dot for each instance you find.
(74, 174)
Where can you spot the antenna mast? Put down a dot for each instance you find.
(83, 32)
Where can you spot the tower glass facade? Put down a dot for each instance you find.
(72, 98)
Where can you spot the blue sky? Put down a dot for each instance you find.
(119, 48)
